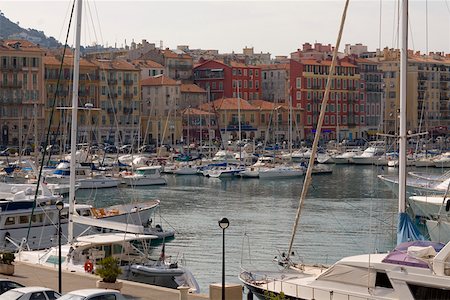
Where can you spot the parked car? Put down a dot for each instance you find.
(30, 293)
(93, 294)
(5, 152)
(6, 285)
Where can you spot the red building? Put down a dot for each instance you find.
(226, 80)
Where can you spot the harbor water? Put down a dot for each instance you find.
(348, 212)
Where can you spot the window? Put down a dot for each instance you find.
(38, 296)
(299, 83)
(256, 73)
(309, 120)
(10, 221)
(308, 107)
(299, 96)
(425, 292)
(263, 118)
(234, 72)
(52, 295)
(23, 219)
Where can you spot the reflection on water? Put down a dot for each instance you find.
(348, 212)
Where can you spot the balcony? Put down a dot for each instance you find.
(112, 95)
(10, 68)
(11, 85)
(128, 96)
(127, 110)
(127, 82)
(111, 110)
(112, 81)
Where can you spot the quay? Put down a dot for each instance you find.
(33, 275)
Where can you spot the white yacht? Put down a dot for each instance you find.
(347, 156)
(282, 171)
(371, 155)
(128, 249)
(86, 178)
(142, 176)
(413, 270)
(442, 161)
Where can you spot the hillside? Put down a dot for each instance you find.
(11, 30)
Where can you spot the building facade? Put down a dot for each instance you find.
(161, 117)
(21, 93)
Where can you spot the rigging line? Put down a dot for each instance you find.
(379, 25)
(49, 124)
(308, 176)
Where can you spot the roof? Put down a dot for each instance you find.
(92, 292)
(170, 54)
(116, 64)
(197, 112)
(24, 45)
(326, 63)
(68, 61)
(30, 289)
(191, 88)
(113, 238)
(232, 104)
(146, 63)
(158, 80)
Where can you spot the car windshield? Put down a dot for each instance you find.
(11, 295)
(71, 297)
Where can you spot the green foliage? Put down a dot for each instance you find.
(7, 258)
(108, 269)
(272, 296)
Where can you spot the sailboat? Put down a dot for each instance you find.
(121, 243)
(415, 269)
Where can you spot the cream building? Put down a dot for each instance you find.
(21, 93)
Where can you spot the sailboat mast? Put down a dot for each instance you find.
(403, 94)
(308, 175)
(73, 136)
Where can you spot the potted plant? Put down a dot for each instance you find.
(6, 263)
(108, 269)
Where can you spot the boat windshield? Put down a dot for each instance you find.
(146, 172)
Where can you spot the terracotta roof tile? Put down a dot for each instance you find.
(158, 80)
(195, 111)
(191, 88)
(146, 63)
(68, 61)
(116, 64)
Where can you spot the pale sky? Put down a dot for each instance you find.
(277, 27)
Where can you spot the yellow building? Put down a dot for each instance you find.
(21, 93)
(427, 90)
(161, 119)
(58, 94)
(120, 101)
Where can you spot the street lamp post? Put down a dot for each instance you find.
(224, 223)
(59, 206)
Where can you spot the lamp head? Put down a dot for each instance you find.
(59, 205)
(224, 223)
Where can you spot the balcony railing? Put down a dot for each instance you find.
(128, 96)
(11, 85)
(128, 82)
(112, 81)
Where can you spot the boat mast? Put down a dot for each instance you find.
(73, 136)
(403, 94)
(308, 176)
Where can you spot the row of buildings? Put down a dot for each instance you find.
(144, 94)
